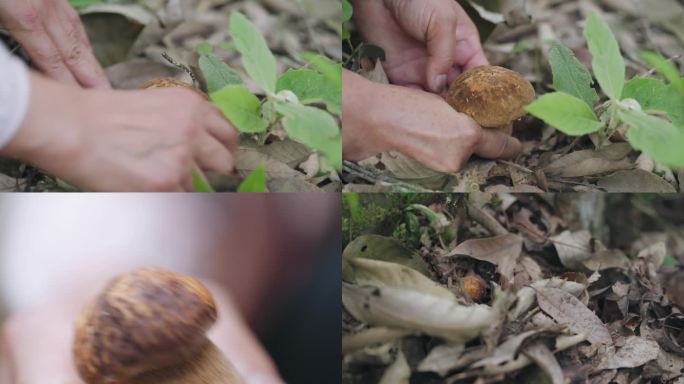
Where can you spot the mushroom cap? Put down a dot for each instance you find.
(170, 82)
(492, 96)
(143, 321)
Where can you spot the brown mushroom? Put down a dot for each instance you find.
(492, 96)
(149, 327)
(170, 82)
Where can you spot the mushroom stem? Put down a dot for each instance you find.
(209, 366)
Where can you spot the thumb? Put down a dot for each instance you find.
(235, 339)
(497, 145)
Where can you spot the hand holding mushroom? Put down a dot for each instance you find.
(149, 327)
(426, 43)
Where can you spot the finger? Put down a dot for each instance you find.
(211, 155)
(26, 26)
(234, 337)
(40, 351)
(69, 37)
(222, 129)
(497, 145)
(441, 43)
(468, 52)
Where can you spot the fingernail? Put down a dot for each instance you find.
(263, 379)
(439, 83)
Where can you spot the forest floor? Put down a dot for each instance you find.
(130, 38)
(550, 160)
(506, 288)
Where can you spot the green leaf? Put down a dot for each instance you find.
(314, 128)
(81, 4)
(311, 87)
(199, 181)
(217, 73)
(665, 67)
(607, 62)
(571, 76)
(241, 107)
(654, 96)
(347, 11)
(670, 261)
(330, 69)
(655, 137)
(205, 49)
(567, 113)
(255, 181)
(257, 58)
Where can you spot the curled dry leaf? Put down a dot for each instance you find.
(502, 251)
(397, 373)
(441, 359)
(419, 305)
(544, 358)
(382, 248)
(568, 311)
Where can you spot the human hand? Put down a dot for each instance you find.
(53, 35)
(380, 117)
(37, 345)
(427, 43)
(123, 140)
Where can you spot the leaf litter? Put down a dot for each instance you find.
(130, 37)
(550, 161)
(563, 303)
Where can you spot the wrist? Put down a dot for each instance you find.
(48, 134)
(364, 111)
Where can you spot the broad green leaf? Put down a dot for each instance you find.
(330, 69)
(199, 181)
(217, 73)
(565, 112)
(655, 137)
(654, 96)
(347, 11)
(571, 76)
(257, 58)
(255, 181)
(607, 62)
(241, 107)
(314, 128)
(311, 87)
(666, 68)
(205, 49)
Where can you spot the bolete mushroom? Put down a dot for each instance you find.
(148, 327)
(493, 96)
(170, 82)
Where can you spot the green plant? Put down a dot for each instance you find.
(288, 97)
(81, 4)
(652, 110)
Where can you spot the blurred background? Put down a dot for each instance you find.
(278, 256)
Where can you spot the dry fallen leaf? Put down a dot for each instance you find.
(568, 311)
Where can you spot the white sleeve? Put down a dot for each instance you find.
(14, 95)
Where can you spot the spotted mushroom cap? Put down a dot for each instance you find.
(492, 96)
(143, 321)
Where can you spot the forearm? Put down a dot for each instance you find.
(364, 131)
(14, 95)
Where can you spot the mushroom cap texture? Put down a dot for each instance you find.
(492, 96)
(143, 321)
(170, 82)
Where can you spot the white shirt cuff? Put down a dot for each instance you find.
(14, 95)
